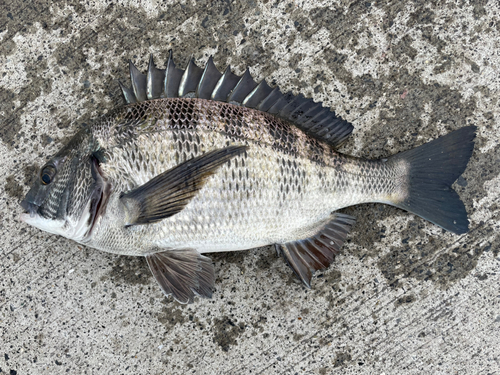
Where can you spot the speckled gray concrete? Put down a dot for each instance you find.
(404, 297)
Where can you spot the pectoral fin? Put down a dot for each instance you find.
(318, 252)
(168, 193)
(183, 274)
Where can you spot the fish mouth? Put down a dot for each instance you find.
(33, 216)
(30, 209)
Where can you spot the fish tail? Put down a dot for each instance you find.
(431, 170)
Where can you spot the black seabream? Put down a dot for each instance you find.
(200, 161)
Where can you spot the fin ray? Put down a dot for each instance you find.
(317, 252)
(183, 274)
(293, 105)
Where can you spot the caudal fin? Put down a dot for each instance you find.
(433, 168)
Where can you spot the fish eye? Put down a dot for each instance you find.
(47, 174)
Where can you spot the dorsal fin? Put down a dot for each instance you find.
(208, 83)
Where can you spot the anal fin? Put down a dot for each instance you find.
(183, 274)
(317, 252)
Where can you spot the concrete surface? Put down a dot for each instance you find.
(403, 298)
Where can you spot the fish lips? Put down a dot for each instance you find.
(35, 198)
(30, 209)
(34, 217)
(32, 202)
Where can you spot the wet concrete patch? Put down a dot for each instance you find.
(11, 125)
(10, 130)
(410, 298)
(233, 257)
(13, 188)
(267, 259)
(170, 316)
(430, 261)
(130, 270)
(226, 332)
(448, 109)
(342, 358)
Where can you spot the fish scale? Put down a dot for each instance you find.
(291, 191)
(200, 161)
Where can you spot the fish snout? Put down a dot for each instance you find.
(29, 208)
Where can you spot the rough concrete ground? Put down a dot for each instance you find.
(403, 298)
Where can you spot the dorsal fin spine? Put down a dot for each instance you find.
(209, 79)
(269, 100)
(259, 93)
(154, 80)
(280, 104)
(190, 79)
(225, 85)
(128, 94)
(245, 86)
(138, 82)
(172, 78)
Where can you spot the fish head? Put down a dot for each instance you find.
(67, 193)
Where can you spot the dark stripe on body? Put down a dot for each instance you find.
(244, 124)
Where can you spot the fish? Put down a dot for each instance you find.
(200, 161)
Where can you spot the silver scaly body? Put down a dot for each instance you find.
(281, 190)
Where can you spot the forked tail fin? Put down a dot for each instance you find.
(432, 169)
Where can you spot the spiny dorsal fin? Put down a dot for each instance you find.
(317, 252)
(208, 83)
